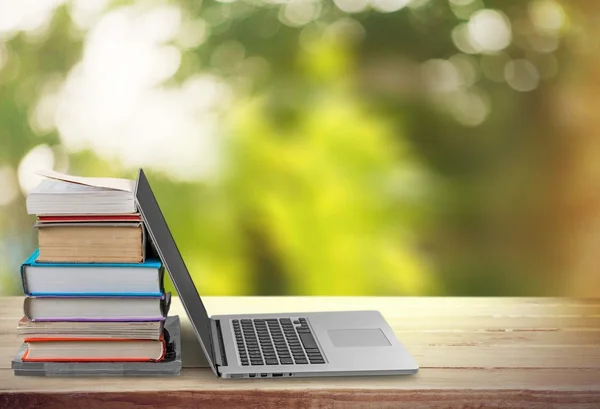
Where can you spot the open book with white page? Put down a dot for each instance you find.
(73, 195)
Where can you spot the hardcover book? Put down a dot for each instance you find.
(169, 366)
(61, 278)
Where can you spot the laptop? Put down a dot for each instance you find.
(273, 345)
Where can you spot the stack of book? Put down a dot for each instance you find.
(95, 296)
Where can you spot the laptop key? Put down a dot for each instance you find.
(308, 340)
(272, 362)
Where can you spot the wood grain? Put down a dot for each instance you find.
(474, 353)
(339, 399)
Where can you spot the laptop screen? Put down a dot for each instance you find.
(173, 262)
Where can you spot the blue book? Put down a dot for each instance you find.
(94, 279)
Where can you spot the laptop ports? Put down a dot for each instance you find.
(263, 375)
(252, 375)
(277, 375)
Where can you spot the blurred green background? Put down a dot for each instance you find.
(373, 147)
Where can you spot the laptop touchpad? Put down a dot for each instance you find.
(371, 337)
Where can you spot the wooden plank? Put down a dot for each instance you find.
(390, 306)
(528, 338)
(442, 356)
(581, 380)
(432, 337)
(494, 323)
(507, 357)
(340, 399)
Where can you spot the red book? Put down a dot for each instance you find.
(135, 217)
(94, 350)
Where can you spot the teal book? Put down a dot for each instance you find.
(95, 279)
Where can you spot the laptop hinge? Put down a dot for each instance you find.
(220, 358)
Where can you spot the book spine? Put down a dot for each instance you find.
(165, 304)
(80, 294)
(24, 279)
(161, 279)
(163, 351)
(26, 308)
(143, 242)
(30, 260)
(88, 319)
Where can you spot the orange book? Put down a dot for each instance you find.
(94, 350)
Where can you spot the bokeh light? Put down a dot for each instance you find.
(8, 185)
(38, 158)
(521, 75)
(547, 15)
(489, 31)
(352, 6)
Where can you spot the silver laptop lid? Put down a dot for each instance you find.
(173, 262)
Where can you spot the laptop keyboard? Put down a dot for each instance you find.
(272, 341)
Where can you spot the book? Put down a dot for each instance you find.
(65, 194)
(55, 197)
(169, 366)
(142, 279)
(93, 350)
(91, 242)
(83, 218)
(116, 308)
(73, 329)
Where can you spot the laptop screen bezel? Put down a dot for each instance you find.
(167, 250)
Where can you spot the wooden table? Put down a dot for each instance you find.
(474, 353)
